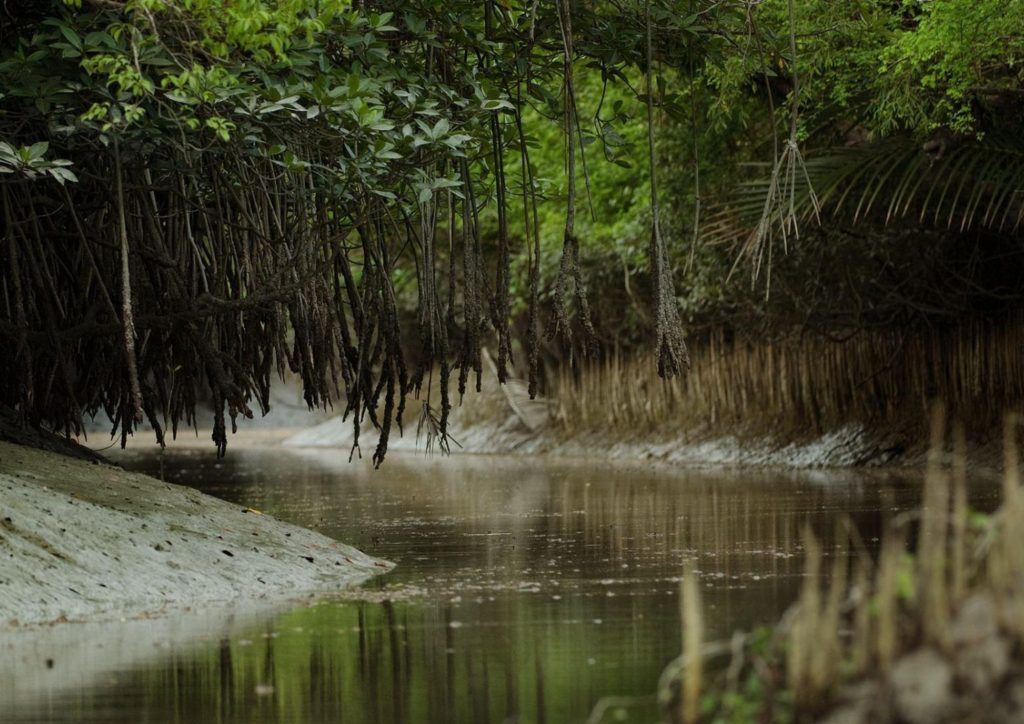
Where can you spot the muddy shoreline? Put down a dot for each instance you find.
(847, 447)
(84, 540)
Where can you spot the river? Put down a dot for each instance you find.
(526, 590)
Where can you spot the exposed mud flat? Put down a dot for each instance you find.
(82, 540)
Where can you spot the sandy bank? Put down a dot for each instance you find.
(84, 540)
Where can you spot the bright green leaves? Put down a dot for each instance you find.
(201, 84)
(221, 126)
(366, 100)
(242, 69)
(31, 154)
(31, 162)
(265, 32)
(369, 117)
(911, 65)
(119, 73)
(956, 56)
(113, 117)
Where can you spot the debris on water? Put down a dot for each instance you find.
(392, 593)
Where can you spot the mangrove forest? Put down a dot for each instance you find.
(660, 312)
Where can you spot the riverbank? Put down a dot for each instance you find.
(849, 446)
(83, 540)
(860, 403)
(491, 425)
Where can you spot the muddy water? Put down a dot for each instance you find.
(526, 590)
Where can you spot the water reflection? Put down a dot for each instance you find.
(526, 590)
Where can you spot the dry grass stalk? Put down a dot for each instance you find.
(860, 650)
(800, 656)
(1011, 463)
(933, 537)
(805, 385)
(887, 599)
(814, 649)
(1005, 560)
(958, 583)
(693, 641)
(939, 570)
(828, 652)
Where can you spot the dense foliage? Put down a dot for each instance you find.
(197, 195)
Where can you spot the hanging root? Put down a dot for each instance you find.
(673, 357)
(570, 263)
(127, 317)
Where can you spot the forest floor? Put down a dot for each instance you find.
(83, 540)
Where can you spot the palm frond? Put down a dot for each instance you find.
(974, 184)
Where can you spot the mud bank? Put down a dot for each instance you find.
(848, 446)
(83, 540)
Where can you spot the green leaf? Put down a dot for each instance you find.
(63, 174)
(38, 150)
(71, 36)
(496, 104)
